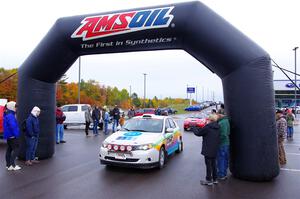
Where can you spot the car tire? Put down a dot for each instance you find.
(65, 127)
(185, 129)
(180, 146)
(162, 158)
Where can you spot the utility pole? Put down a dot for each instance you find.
(79, 71)
(144, 89)
(295, 49)
(196, 95)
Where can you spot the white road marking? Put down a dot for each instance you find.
(286, 169)
(293, 154)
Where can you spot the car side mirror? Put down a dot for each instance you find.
(169, 130)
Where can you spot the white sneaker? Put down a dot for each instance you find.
(10, 168)
(17, 167)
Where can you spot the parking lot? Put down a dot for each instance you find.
(75, 172)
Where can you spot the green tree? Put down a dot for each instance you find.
(135, 100)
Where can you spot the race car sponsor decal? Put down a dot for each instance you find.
(129, 136)
(133, 134)
(100, 26)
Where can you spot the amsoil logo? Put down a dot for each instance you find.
(114, 24)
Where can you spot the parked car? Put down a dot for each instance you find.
(170, 110)
(198, 120)
(2, 108)
(140, 112)
(193, 108)
(1, 120)
(143, 142)
(74, 114)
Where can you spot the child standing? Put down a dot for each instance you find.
(122, 120)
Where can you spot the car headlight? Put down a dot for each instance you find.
(144, 147)
(104, 144)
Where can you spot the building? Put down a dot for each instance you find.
(285, 93)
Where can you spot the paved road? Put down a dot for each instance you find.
(75, 172)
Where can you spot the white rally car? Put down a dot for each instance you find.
(143, 142)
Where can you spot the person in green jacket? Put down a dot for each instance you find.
(223, 152)
(290, 124)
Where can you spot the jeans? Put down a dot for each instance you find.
(59, 132)
(290, 131)
(115, 125)
(12, 151)
(222, 160)
(211, 169)
(105, 127)
(95, 127)
(31, 146)
(87, 126)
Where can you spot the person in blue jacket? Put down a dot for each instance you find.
(11, 134)
(32, 135)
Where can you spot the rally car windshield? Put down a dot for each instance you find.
(144, 125)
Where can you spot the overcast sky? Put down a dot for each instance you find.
(274, 25)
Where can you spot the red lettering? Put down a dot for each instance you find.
(123, 21)
(106, 23)
(88, 26)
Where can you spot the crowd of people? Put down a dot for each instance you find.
(215, 146)
(12, 133)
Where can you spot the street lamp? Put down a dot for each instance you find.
(79, 71)
(144, 89)
(295, 49)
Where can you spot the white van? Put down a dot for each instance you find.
(74, 114)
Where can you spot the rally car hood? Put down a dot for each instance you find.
(133, 138)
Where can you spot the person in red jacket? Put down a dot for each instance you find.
(60, 118)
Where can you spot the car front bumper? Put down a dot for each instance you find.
(136, 159)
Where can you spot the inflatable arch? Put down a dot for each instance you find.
(243, 66)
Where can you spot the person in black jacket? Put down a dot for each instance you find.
(96, 115)
(211, 139)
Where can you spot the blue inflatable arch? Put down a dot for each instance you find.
(243, 66)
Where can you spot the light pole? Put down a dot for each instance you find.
(295, 49)
(79, 71)
(144, 89)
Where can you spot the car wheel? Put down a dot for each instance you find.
(65, 127)
(185, 129)
(180, 146)
(162, 158)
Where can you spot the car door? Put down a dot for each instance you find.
(169, 135)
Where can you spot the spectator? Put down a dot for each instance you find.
(32, 135)
(281, 128)
(88, 120)
(122, 120)
(60, 118)
(96, 115)
(223, 152)
(106, 120)
(11, 133)
(116, 118)
(131, 113)
(290, 124)
(210, 144)
(158, 111)
(222, 110)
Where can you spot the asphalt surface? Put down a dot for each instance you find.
(75, 172)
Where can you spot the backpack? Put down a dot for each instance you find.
(23, 126)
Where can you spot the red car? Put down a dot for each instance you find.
(1, 120)
(144, 111)
(194, 120)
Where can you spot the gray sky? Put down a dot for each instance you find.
(272, 24)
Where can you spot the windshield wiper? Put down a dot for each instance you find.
(138, 130)
(126, 129)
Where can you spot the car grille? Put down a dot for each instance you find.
(121, 160)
